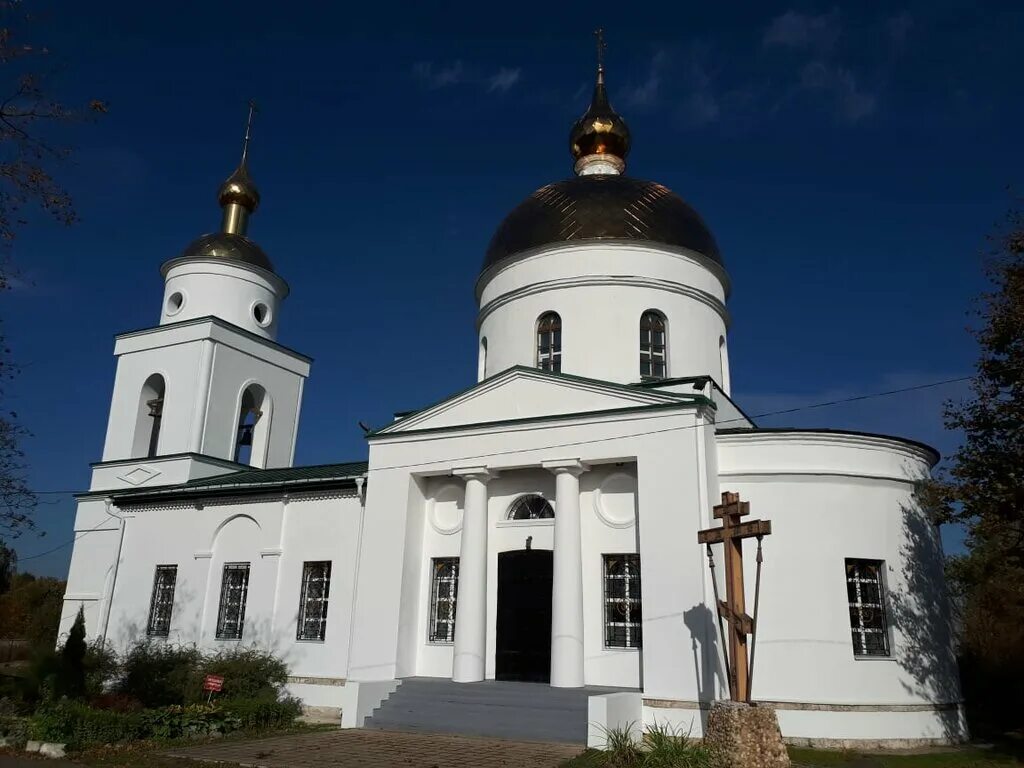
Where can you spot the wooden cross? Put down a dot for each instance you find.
(733, 608)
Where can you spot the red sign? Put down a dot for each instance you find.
(213, 683)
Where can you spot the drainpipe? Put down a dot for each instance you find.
(109, 502)
(360, 484)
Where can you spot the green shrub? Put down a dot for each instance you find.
(176, 722)
(263, 714)
(669, 747)
(248, 673)
(78, 725)
(621, 751)
(158, 674)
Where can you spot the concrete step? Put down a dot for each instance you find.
(498, 709)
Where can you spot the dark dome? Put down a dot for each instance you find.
(230, 247)
(601, 207)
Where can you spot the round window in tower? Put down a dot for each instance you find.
(261, 314)
(175, 302)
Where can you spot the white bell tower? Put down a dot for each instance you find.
(209, 388)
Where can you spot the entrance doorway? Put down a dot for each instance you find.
(523, 647)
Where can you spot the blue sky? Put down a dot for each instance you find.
(849, 157)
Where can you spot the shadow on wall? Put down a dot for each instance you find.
(707, 657)
(920, 610)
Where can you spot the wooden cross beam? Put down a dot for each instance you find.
(733, 608)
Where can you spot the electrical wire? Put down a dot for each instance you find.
(797, 409)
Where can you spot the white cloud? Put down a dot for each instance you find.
(852, 102)
(503, 79)
(799, 30)
(451, 74)
(645, 94)
(456, 73)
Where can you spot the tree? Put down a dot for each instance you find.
(984, 492)
(8, 567)
(71, 681)
(30, 121)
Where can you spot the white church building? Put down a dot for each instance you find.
(539, 526)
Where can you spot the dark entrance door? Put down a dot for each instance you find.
(523, 649)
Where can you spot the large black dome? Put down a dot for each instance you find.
(601, 207)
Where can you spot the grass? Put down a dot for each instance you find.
(149, 754)
(1003, 755)
(1007, 754)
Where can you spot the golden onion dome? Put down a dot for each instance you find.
(601, 134)
(239, 189)
(601, 130)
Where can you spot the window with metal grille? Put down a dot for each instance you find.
(444, 592)
(530, 507)
(549, 342)
(316, 589)
(866, 594)
(161, 604)
(652, 345)
(234, 588)
(622, 607)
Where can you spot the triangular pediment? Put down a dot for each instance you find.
(526, 393)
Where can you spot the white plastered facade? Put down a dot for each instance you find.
(628, 467)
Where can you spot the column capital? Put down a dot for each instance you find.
(573, 467)
(483, 474)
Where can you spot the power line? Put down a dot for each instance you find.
(766, 414)
(812, 406)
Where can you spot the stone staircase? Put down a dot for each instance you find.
(502, 710)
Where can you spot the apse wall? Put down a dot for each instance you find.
(833, 496)
(600, 289)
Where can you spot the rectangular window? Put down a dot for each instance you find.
(234, 588)
(316, 588)
(161, 604)
(866, 595)
(622, 607)
(444, 591)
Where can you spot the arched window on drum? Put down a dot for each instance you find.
(653, 347)
(549, 342)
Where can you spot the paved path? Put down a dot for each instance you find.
(357, 748)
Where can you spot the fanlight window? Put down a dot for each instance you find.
(530, 507)
(652, 345)
(549, 342)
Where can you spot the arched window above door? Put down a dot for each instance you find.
(530, 507)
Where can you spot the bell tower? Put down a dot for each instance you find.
(208, 388)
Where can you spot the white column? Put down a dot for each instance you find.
(471, 608)
(567, 585)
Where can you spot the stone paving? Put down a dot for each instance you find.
(358, 748)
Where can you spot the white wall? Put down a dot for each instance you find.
(225, 289)
(276, 536)
(206, 366)
(600, 292)
(832, 497)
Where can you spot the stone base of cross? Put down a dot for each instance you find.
(733, 608)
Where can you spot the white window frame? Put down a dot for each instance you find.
(654, 355)
(633, 630)
(859, 609)
(161, 602)
(449, 596)
(548, 344)
(228, 629)
(313, 608)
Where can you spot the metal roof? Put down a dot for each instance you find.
(248, 481)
